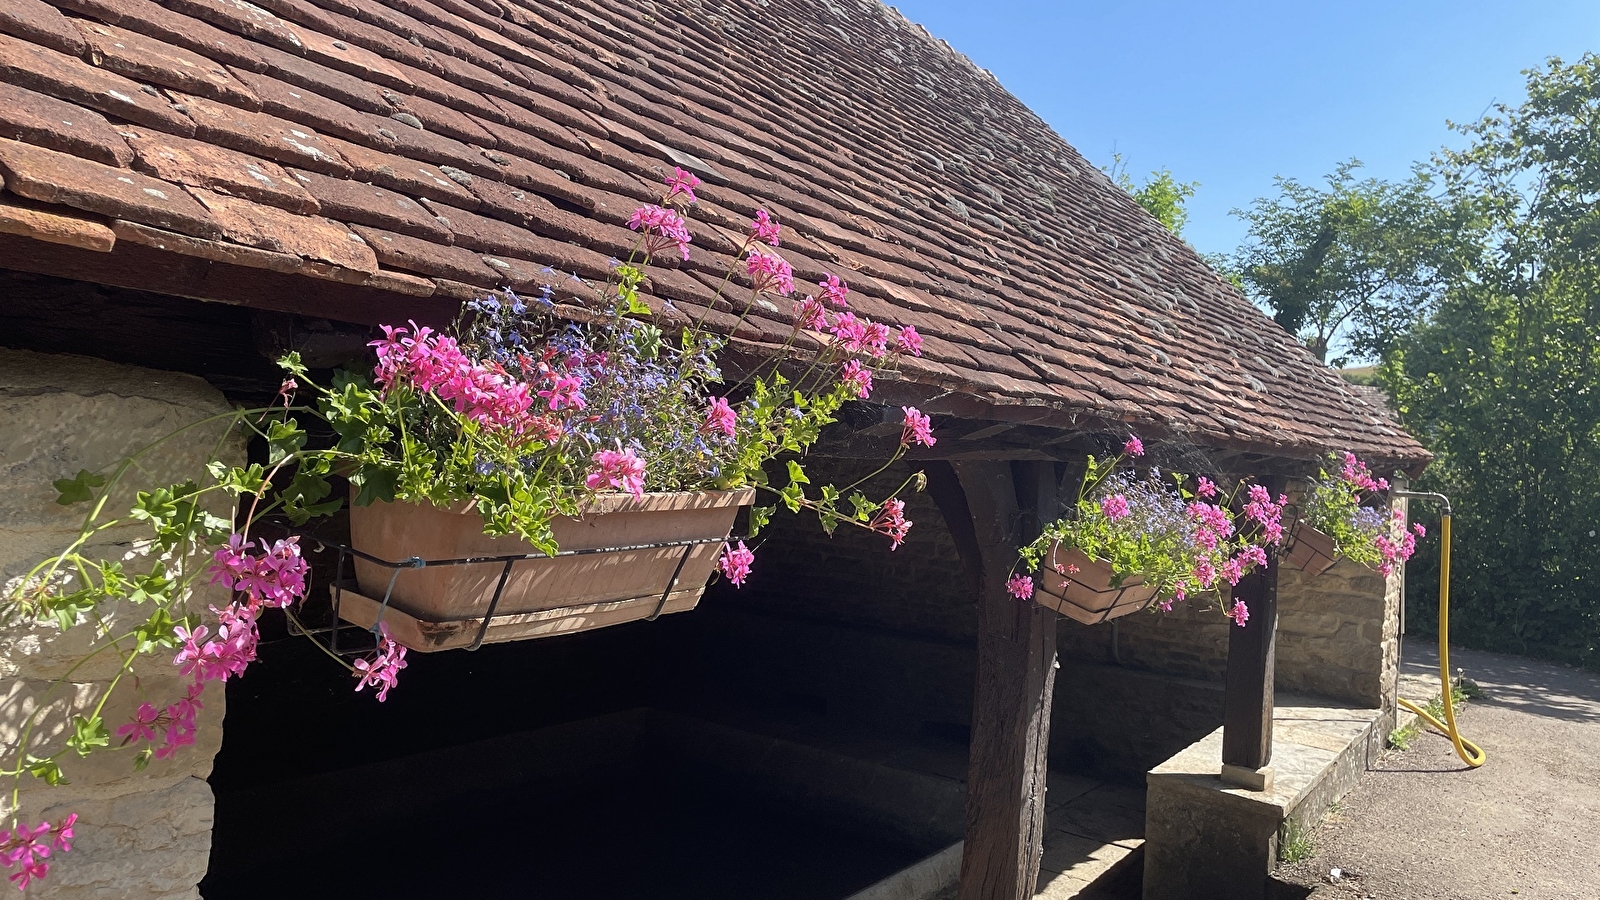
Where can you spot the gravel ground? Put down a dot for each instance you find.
(1422, 826)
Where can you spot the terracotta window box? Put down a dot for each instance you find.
(1309, 550)
(1088, 595)
(612, 568)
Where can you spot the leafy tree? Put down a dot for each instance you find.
(1502, 381)
(1360, 259)
(1161, 195)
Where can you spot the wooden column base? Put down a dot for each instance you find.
(1249, 779)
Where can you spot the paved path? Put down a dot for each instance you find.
(1421, 826)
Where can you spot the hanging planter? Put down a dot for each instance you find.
(1346, 517)
(1135, 538)
(1309, 550)
(624, 559)
(1081, 588)
(579, 389)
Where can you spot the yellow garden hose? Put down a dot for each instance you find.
(1470, 753)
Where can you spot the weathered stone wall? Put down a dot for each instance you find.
(853, 576)
(1338, 634)
(1337, 637)
(140, 835)
(888, 637)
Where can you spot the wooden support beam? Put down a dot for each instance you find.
(1249, 690)
(994, 507)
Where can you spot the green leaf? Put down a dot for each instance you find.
(152, 587)
(46, 769)
(285, 438)
(111, 578)
(793, 496)
(374, 484)
(290, 362)
(88, 734)
(68, 608)
(157, 631)
(759, 517)
(79, 488)
(241, 481)
(865, 508)
(301, 498)
(155, 506)
(797, 474)
(647, 341)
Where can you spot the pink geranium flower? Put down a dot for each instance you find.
(909, 341)
(720, 417)
(30, 872)
(225, 656)
(764, 228)
(142, 728)
(810, 314)
(565, 391)
(876, 339)
(622, 470)
(682, 182)
(1133, 447)
(859, 377)
(1115, 507)
(735, 563)
(1232, 570)
(891, 520)
(835, 291)
(382, 671)
(770, 273)
(1356, 474)
(436, 364)
(232, 562)
(662, 229)
(23, 848)
(1240, 613)
(849, 332)
(1020, 586)
(918, 428)
(1206, 487)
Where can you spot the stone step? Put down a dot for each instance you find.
(1093, 849)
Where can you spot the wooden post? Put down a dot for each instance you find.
(1002, 504)
(1249, 692)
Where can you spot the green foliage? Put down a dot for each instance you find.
(1159, 553)
(1359, 259)
(46, 770)
(1502, 380)
(1295, 844)
(87, 734)
(1161, 195)
(1333, 507)
(1401, 738)
(1155, 536)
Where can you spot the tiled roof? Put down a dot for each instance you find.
(437, 148)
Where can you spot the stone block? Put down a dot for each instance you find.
(1208, 840)
(141, 834)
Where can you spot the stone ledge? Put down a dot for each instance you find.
(1206, 838)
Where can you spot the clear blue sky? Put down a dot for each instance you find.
(1230, 94)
